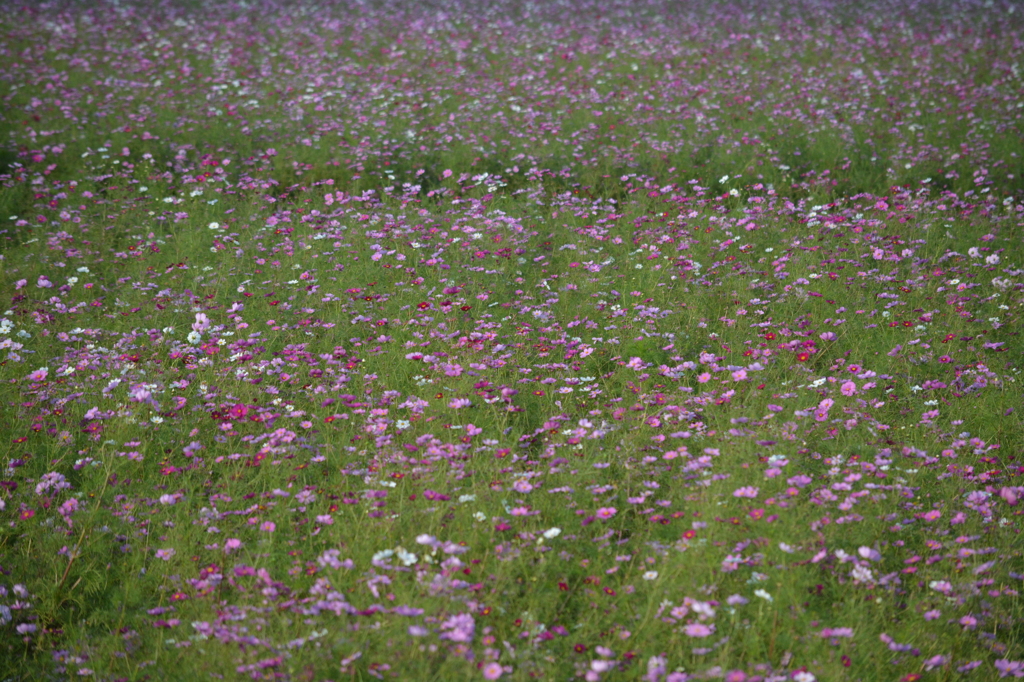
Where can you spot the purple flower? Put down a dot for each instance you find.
(1009, 668)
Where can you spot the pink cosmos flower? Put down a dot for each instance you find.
(492, 671)
(869, 553)
(837, 632)
(165, 554)
(39, 375)
(748, 491)
(699, 630)
(522, 486)
(268, 526)
(605, 513)
(202, 323)
(848, 388)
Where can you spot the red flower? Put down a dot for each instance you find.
(803, 357)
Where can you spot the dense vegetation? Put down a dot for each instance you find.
(664, 341)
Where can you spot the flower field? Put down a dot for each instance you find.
(656, 341)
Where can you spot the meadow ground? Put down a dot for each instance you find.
(656, 341)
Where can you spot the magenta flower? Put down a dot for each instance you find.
(605, 513)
